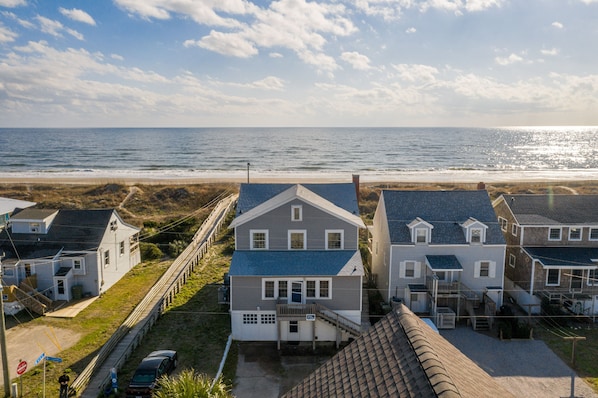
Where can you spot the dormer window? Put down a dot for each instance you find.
(475, 231)
(421, 231)
(421, 235)
(296, 213)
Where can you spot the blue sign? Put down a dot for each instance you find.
(114, 378)
(53, 359)
(39, 359)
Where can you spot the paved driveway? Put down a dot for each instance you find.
(527, 368)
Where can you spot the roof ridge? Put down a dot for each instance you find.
(439, 378)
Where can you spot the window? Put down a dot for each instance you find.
(512, 260)
(324, 289)
(60, 286)
(409, 269)
(297, 240)
(484, 269)
(8, 272)
(553, 277)
(310, 289)
(319, 289)
(259, 239)
(122, 248)
(574, 233)
(296, 213)
(503, 223)
(593, 277)
(250, 319)
(28, 270)
(34, 227)
(293, 327)
(78, 266)
(283, 289)
(269, 289)
(593, 233)
(334, 240)
(514, 230)
(106, 258)
(267, 319)
(476, 235)
(421, 235)
(554, 234)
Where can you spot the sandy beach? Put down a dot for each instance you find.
(235, 176)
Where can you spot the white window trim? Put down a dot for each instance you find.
(106, 260)
(559, 280)
(332, 231)
(258, 231)
(426, 235)
(503, 222)
(416, 269)
(590, 234)
(491, 269)
(274, 291)
(80, 271)
(560, 234)
(580, 234)
(514, 229)
(317, 296)
(297, 231)
(512, 260)
(295, 207)
(592, 281)
(482, 236)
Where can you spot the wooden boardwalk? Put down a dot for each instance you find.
(93, 380)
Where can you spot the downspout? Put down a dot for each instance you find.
(531, 284)
(389, 271)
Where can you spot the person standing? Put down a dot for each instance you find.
(64, 385)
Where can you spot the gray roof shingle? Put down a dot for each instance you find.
(445, 210)
(553, 209)
(400, 356)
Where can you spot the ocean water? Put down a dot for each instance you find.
(373, 153)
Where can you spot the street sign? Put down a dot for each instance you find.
(53, 359)
(39, 359)
(21, 367)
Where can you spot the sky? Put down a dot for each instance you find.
(320, 63)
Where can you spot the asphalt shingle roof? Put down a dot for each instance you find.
(565, 257)
(70, 230)
(400, 356)
(296, 263)
(553, 209)
(445, 210)
(340, 194)
(444, 263)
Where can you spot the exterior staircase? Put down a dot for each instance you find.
(342, 323)
(32, 299)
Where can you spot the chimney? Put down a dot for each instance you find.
(356, 183)
(481, 185)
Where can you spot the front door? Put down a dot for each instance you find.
(297, 292)
(576, 280)
(61, 286)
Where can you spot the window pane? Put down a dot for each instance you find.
(484, 269)
(324, 289)
(555, 233)
(259, 240)
(297, 240)
(310, 290)
(269, 289)
(410, 269)
(421, 236)
(575, 234)
(282, 289)
(594, 233)
(334, 240)
(476, 236)
(553, 277)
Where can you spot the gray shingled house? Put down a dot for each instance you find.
(296, 273)
(439, 252)
(552, 250)
(400, 356)
(65, 254)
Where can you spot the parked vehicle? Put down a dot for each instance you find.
(146, 377)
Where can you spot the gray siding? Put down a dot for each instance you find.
(381, 249)
(247, 293)
(278, 222)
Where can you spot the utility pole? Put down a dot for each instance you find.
(3, 338)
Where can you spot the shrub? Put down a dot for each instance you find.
(150, 251)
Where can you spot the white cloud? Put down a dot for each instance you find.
(480, 5)
(55, 28)
(12, 3)
(275, 55)
(77, 15)
(270, 83)
(358, 61)
(589, 1)
(411, 30)
(511, 59)
(552, 51)
(417, 73)
(557, 25)
(7, 35)
(117, 57)
(232, 44)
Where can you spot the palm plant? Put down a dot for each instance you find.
(190, 384)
